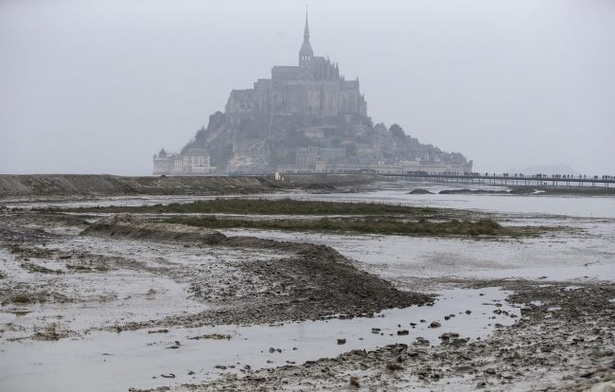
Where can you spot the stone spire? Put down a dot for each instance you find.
(306, 53)
(306, 31)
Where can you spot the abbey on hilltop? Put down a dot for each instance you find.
(305, 118)
(312, 87)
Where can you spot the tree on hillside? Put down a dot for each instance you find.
(397, 132)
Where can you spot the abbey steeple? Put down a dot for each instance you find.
(306, 31)
(306, 53)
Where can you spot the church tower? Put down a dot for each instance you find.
(306, 53)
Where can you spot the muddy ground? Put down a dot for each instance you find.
(291, 282)
(562, 342)
(563, 339)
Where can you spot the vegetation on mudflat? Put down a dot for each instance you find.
(276, 207)
(343, 217)
(380, 225)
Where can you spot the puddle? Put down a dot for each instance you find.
(590, 272)
(399, 257)
(103, 361)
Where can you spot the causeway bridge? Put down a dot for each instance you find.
(538, 180)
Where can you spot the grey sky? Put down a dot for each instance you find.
(99, 86)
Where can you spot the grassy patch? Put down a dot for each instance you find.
(212, 336)
(21, 298)
(30, 251)
(385, 226)
(276, 207)
(101, 268)
(39, 268)
(79, 267)
(361, 218)
(48, 332)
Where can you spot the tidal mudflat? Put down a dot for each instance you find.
(132, 300)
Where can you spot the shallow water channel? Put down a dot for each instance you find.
(104, 361)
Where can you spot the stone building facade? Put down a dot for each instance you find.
(195, 161)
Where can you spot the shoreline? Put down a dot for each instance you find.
(75, 186)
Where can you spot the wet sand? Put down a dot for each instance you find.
(128, 306)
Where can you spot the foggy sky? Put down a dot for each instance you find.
(100, 86)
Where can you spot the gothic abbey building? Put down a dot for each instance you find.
(313, 87)
(305, 118)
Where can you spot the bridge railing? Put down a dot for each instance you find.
(507, 179)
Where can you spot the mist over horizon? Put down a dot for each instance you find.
(100, 87)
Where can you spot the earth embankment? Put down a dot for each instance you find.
(108, 185)
(89, 185)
